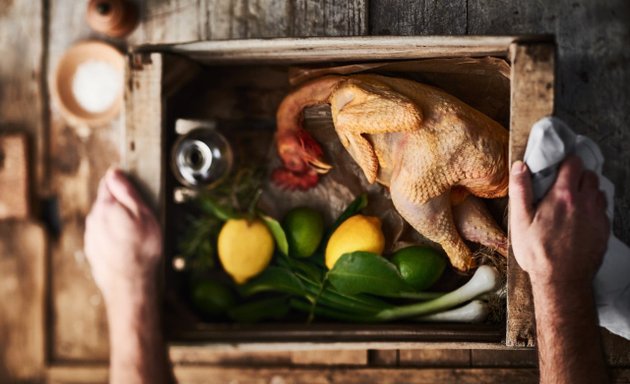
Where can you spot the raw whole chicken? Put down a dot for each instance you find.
(434, 152)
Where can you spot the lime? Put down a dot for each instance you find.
(419, 266)
(357, 233)
(245, 248)
(211, 298)
(304, 228)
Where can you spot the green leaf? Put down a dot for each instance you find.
(273, 279)
(304, 268)
(355, 207)
(327, 312)
(264, 309)
(212, 207)
(278, 233)
(366, 272)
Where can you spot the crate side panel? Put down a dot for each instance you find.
(142, 148)
(532, 97)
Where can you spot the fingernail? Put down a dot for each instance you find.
(518, 167)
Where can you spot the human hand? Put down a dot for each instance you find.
(123, 240)
(562, 241)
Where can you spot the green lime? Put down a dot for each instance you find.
(304, 228)
(419, 266)
(211, 298)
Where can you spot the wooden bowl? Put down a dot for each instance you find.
(64, 76)
(115, 18)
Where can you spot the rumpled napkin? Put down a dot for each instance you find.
(550, 141)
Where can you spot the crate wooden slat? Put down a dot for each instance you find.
(532, 94)
(343, 49)
(147, 163)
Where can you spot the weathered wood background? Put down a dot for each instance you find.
(593, 93)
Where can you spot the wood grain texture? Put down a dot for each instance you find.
(23, 246)
(22, 89)
(494, 358)
(315, 50)
(142, 154)
(171, 21)
(262, 358)
(317, 375)
(14, 180)
(435, 358)
(79, 157)
(418, 17)
(616, 349)
(532, 97)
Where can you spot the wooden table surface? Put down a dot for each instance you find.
(70, 345)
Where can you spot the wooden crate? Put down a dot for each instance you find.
(156, 73)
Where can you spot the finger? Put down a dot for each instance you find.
(103, 194)
(521, 198)
(589, 181)
(569, 174)
(123, 191)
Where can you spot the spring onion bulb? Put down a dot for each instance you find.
(474, 312)
(484, 280)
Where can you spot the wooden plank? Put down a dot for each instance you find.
(532, 97)
(508, 16)
(14, 181)
(79, 157)
(77, 374)
(383, 358)
(203, 374)
(418, 17)
(201, 355)
(342, 49)
(435, 358)
(23, 247)
(142, 151)
(502, 358)
(192, 20)
(330, 357)
(23, 91)
(616, 349)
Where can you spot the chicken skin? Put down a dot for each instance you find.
(434, 152)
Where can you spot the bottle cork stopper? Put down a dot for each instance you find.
(115, 18)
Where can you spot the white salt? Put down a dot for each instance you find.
(96, 85)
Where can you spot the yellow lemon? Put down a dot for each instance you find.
(245, 248)
(358, 233)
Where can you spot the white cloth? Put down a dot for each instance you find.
(550, 141)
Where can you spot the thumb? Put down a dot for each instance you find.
(521, 199)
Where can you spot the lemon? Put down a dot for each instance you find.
(357, 233)
(211, 298)
(419, 266)
(304, 228)
(245, 248)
